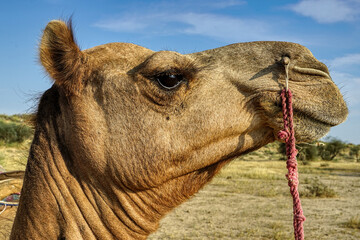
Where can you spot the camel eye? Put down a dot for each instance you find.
(169, 81)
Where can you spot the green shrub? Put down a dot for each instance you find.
(317, 189)
(331, 148)
(355, 152)
(282, 150)
(307, 152)
(11, 132)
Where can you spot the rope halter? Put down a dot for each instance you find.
(288, 135)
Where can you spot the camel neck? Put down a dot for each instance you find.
(58, 204)
(59, 201)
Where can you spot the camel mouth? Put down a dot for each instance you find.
(313, 118)
(319, 119)
(329, 113)
(313, 121)
(312, 125)
(317, 113)
(308, 128)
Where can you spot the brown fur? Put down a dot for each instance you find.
(62, 58)
(114, 151)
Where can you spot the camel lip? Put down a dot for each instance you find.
(303, 107)
(322, 120)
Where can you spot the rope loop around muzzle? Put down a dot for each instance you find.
(288, 135)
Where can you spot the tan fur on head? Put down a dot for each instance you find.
(62, 58)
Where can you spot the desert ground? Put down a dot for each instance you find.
(250, 199)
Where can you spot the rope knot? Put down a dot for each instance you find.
(300, 217)
(283, 135)
(292, 179)
(291, 164)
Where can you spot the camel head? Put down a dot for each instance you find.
(129, 119)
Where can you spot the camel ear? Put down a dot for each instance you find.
(62, 58)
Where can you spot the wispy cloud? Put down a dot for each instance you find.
(204, 5)
(127, 23)
(347, 60)
(225, 4)
(328, 11)
(224, 27)
(200, 18)
(220, 27)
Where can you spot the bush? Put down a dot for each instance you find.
(11, 132)
(317, 189)
(282, 150)
(331, 148)
(355, 152)
(307, 152)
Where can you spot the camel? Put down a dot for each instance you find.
(126, 134)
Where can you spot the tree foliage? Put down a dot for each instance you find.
(307, 152)
(331, 148)
(355, 152)
(327, 150)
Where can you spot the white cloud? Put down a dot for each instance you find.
(350, 59)
(203, 5)
(122, 25)
(225, 4)
(220, 27)
(223, 27)
(328, 11)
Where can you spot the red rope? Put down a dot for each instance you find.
(288, 135)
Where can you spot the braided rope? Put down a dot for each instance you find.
(288, 135)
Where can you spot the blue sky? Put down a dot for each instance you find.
(329, 28)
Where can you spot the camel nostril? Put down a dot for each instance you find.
(286, 60)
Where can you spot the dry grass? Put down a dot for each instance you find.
(14, 156)
(250, 199)
(354, 222)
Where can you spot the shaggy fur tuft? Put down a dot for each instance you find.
(62, 58)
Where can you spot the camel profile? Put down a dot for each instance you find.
(126, 134)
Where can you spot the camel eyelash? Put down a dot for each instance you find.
(188, 72)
